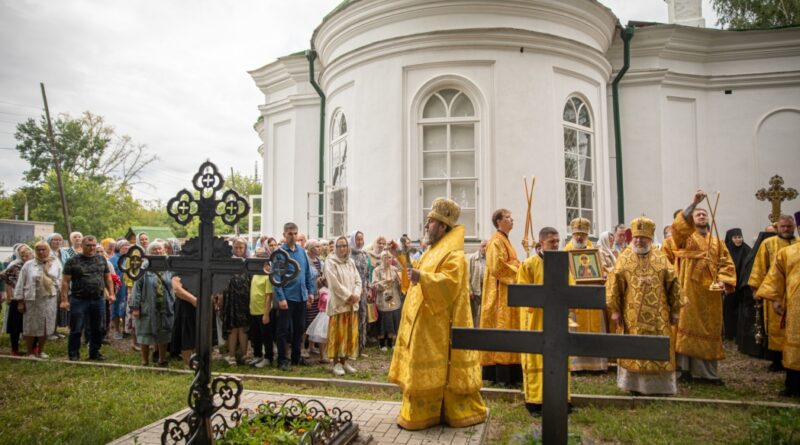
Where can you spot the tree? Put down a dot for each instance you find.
(6, 204)
(752, 14)
(86, 147)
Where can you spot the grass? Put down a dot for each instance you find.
(56, 403)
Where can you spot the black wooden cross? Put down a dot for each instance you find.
(555, 343)
(205, 266)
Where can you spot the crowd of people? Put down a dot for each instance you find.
(692, 287)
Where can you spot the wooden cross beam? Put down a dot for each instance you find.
(776, 194)
(555, 343)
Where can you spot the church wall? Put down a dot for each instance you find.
(520, 98)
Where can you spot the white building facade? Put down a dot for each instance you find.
(464, 98)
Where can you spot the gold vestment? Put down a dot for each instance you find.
(765, 258)
(429, 373)
(501, 270)
(783, 284)
(700, 324)
(644, 290)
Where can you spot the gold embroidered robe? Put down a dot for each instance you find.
(589, 320)
(765, 258)
(501, 270)
(783, 284)
(532, 272)
(699, 332)
(423, 362)
(644, 290)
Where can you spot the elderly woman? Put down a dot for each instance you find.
(152, 303)
(55, 241)
(386, 281)
(344, 285)
(10, 276)
(35, 294)
(360, 258)
(312, 250)
(608, 257)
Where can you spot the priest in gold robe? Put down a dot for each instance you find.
(765, 258)
(700, 260)
(644, 298)
(591, 321)
(782, 288)
(532, 272)
(439, 384)
(501, 270)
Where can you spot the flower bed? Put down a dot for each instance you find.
(293, 422)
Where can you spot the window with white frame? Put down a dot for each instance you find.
(337, 178)
(578, 164)
(448, 128)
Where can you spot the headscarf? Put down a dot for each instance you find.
(53, 235)
(605, 244)
(310, 244)
(346, 257)
(352, 242)
(45, 286)
(747, 267)
(738, 254)
(106, 242)
(138, 236)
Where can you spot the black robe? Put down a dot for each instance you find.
(745, 335)
(730, 306)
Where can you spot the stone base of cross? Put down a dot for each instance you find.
(555, 343)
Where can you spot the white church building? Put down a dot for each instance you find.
(464, 98)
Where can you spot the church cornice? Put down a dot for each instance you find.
(470, 39)
(666, 77)
(290, 103)
(286, 72)
(704, 45)
(366, 22)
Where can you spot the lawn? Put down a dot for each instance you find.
(57, 402)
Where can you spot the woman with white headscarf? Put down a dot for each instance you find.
(10, 276)
(344, 285)
(608, 256)
(35, 295)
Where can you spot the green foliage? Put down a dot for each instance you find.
(774, 428)
(754, 14)
(281, 428)
(6, 204)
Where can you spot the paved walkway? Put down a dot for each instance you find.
(375, 419)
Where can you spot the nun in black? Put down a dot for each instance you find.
(746, 332)
(730, 307)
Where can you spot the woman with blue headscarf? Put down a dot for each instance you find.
(359, 257)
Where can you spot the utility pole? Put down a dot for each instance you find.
(54, 153)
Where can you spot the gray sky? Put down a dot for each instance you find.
(171, 74)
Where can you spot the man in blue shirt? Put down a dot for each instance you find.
(292, 300)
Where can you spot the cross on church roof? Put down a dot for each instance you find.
(776, 194)
(555, 343)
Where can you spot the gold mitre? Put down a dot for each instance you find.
(445, 210)
(580, 225)
(643, 226)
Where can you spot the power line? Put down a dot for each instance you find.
(16, 114)
(20, 105)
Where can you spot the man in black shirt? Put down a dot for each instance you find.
(90, 277)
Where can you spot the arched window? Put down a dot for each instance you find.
(578, 164)
(447, 127)
(337, 176)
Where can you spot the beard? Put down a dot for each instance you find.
(786, 236)
(431, 239)
(703, 226)
(578, 245)
(642, 250)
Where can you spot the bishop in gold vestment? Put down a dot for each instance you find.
(589, 320)
(501, 270)
(438, 384)
(643, 296)
(782, 287)
(701, 259)
(765, 258)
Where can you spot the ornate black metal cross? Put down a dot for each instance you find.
(205, 266)
(555, 343)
